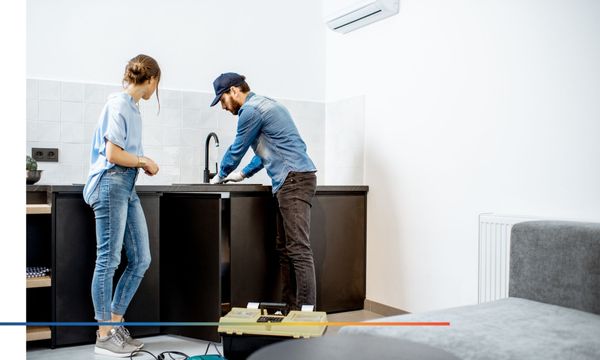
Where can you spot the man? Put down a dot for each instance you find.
(267, 126)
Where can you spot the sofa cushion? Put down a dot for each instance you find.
(556, 262)
(511, 328)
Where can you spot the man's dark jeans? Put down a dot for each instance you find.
(293, 245)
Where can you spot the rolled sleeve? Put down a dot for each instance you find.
(116, 128)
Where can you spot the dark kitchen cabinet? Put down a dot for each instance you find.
(211, 250)
(338, 240)
(254, 261)
(194, 263)
(217, 252)
(74, 254)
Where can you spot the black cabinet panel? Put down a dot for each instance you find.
(191, 258)
(75, 254)
(74, 260)
(254, 262)
(337, 234)
(145, 305)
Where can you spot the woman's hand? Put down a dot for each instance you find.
(151, 168)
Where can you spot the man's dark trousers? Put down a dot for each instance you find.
(293, 245)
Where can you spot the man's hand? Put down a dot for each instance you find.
(236, 176)
(216, 180)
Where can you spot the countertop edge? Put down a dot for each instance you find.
(200, 188)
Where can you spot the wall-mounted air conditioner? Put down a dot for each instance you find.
(361, 14)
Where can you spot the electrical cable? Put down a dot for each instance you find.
(216, 348)
(160, 356)
(135, 352)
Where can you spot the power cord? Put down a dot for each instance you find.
(216, 348)
(182, 356)
(160, 356)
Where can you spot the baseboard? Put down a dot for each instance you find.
(382, 309)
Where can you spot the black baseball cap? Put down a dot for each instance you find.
(224, 82)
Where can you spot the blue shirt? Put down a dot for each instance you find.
(120, 123)
(267, 126)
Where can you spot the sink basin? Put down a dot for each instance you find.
(225, 184)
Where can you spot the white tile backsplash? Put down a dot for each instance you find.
(95, 93)
(171, 98)
(170, 156)
(42, 131)
(49, 90)
(71, 132)
(91, 112)
(344, 142)
(71, 112)
(193, 137)
(49, 110)
(65, 114)
(192, 119)
(169, 117)
(32, 109)
(71, 92)
(171, 136)
(51, 172)
(152, 135)
(32, 89)
(195, 100)
(73, 154)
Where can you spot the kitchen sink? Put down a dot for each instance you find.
(225, 184)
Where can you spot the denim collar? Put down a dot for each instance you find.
(250, 95)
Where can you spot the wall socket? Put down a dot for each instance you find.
(45, 154)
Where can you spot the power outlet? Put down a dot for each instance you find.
(45, 154)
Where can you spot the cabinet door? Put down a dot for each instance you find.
(254, 261)
(193, 264)
(338, 240)
(74, 239)
(145, 306)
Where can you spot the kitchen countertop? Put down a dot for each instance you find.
(222, 188)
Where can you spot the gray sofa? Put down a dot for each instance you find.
(553, 308)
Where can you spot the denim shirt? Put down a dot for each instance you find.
(267, 126)
(120, 123)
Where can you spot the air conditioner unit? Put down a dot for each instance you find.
(361, 14)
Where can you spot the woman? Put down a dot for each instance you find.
(116, 157)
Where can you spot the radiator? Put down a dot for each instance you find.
(494, 254)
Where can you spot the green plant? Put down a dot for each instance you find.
(31, 164)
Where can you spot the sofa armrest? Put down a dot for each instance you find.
(556, 262)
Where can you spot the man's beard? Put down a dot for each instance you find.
(235, 107)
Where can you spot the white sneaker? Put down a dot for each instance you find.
(113, 345)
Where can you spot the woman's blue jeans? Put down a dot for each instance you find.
(120, 222)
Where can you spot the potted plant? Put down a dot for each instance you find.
(32, 173)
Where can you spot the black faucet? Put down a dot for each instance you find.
(207, 174)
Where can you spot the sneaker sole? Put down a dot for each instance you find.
(101, 351)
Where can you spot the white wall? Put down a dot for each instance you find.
(278, 45)
(77, 51)
(470, 107)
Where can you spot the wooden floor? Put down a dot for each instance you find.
(158, 344)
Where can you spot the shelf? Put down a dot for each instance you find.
(44, 281)
(38, 333)
(39, 209)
